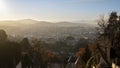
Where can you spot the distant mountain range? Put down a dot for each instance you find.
(29, 27)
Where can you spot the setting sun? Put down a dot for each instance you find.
(3, 9)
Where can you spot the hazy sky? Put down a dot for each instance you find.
(56, 10)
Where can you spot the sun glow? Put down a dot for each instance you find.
(3, 8)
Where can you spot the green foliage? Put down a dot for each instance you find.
(86, 55)
(25, 45)
(70, 38)
(10, 52)
(3, 35)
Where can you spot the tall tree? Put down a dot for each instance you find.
(111, 38)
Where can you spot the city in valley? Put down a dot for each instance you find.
(59, 34)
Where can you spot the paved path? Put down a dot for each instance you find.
(19, 65)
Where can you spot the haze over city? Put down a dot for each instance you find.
(59, 33)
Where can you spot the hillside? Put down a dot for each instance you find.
(33, 28)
